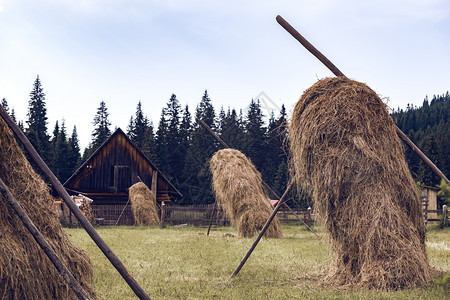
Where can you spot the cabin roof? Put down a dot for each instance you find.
(107, 141)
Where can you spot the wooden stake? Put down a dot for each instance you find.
(212, 216)
(337, 72)
(118, 219)
(255, 243)
(42, 242)
(163, 213)
(115, 261)
(444, 215)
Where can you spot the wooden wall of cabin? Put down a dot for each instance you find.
(116, 167)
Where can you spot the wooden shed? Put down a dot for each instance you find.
(115, 166)
(429, 202)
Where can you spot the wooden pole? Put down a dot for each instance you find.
(263, 182)
(211, 218)
(337, 72)
(291, 210)
(118, 219)
(309, 215)
(163, 213)
(444, 216)
(309, 46)
(255, 243)
(421, 155)
(42, 242)
(112, 257)
(155, 183)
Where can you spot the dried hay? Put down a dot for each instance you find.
(238, 189)
(143, 205)
(345, 150)
(25, 270)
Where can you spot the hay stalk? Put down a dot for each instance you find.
(345, 151)
(143, 205)
(238, 189)
(45, 246)
(65, 196)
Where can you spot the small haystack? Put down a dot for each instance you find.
(238, 189)
(143, 205)
(25, 270)
(344, 148)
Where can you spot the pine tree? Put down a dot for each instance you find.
(101, 126)
(139, 129)
(255, 133)
(202, 146)
(443, 144)
(427, 127)
(221, 120)
(231, 129)
(37, 122)
(273, 159)
(53, 142)
(74, 156)
(173, 139)
(185, 128)
(5, 105)
(429, 148)
(62, 168)
(13, 117)
(130, 128)
(149, 143)
(185, 135)
(161, 142)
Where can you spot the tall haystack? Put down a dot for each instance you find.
(143, 205)
(344, 148)
(25, 270)
(238, 189)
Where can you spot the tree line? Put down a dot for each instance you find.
(181, 146)
(428, 126)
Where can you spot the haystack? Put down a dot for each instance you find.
(238, 189)
(344, 148)
(25, 270)
(143, 205)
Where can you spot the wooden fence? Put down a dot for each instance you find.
(198, 215)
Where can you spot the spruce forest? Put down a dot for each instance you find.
(181, 146)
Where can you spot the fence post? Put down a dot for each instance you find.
(163, 213)
(308, 212)
(425, 206)
(444, 215)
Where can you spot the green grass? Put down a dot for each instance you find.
(184, 263)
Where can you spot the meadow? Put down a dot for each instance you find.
(184, 263)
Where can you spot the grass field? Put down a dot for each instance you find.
(184, 263)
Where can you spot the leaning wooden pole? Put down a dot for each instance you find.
(211, 217)
(115, 261)
(313, 50)
(263, 182)
(42, 242)
(263, 230)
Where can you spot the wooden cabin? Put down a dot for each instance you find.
(115, 166)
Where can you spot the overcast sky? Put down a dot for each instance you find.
(120, 52)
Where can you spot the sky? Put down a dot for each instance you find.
(123, 51)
